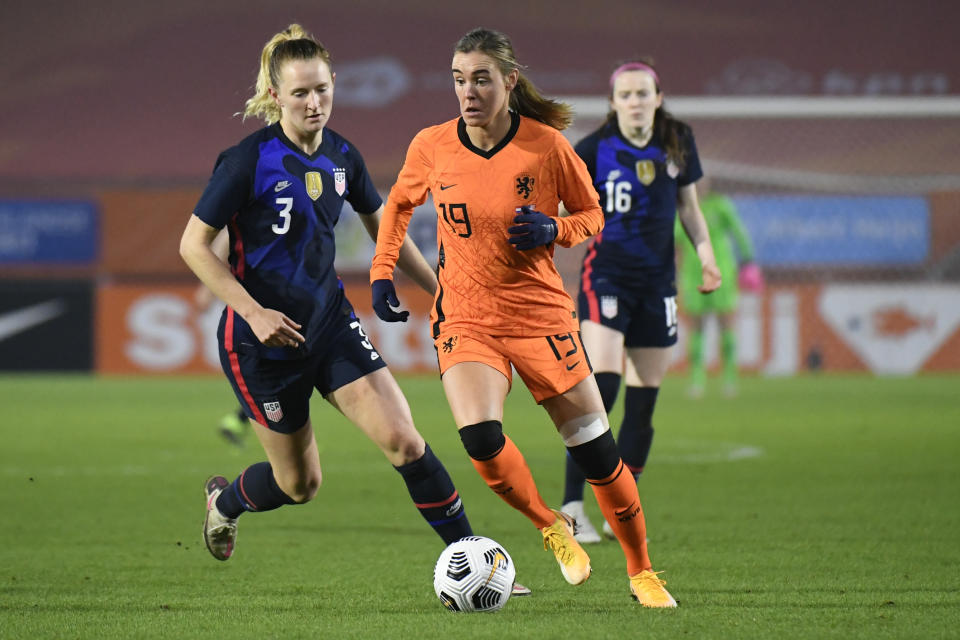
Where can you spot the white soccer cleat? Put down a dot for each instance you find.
(585, 531)
(219, 531)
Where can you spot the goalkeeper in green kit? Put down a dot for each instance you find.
(725, 230)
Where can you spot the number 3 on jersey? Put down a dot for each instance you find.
(283, 226)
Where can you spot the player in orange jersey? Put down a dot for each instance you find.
(492, 173)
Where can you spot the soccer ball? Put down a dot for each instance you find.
(474, 574)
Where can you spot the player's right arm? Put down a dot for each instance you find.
(409, 192)
(227, 192)
(221, 248)
(409, 258)
(272, 328)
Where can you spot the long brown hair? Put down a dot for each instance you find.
(524, 99)
(293, 43)
(666, 128)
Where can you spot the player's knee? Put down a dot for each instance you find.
(583, 429)
(483, 440)
(301, 487)
(410, 447)
(597, 458)
(401, 444)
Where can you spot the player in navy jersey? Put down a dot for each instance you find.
(644, 164)
(287, 328)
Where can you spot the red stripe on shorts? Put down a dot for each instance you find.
(235, 368)
(593, 307)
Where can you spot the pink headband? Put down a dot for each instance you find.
(634, 66)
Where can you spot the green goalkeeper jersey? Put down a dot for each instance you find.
(726, 230)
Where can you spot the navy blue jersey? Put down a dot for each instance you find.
(280, 206)
(638, 189)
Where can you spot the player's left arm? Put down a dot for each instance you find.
(410, 259)
(737, 230)
(583, 216)
(694, 224)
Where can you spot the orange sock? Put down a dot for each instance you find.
(509, 476)
(620, 503)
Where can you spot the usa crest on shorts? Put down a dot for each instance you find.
(273, 411)
(608, 307)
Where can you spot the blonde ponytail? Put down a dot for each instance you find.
(293, 43)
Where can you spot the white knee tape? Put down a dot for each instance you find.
(583, 429)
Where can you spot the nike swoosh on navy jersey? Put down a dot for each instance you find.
(14, 322)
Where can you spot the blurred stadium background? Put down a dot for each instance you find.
(832, 125)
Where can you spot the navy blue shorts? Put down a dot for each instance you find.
(646, 319)
(276, 393)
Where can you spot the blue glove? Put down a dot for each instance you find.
(534, 230)
(385, 297)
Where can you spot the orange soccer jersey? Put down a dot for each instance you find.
(486, 284)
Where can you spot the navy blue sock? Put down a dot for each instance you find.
(435, 496)
(254, 490)
(609, 384)
(636, 432)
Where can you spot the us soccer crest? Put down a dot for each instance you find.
(273, 411)
(608, 307)
(646, 172)
(339, 181)
(672, 169)
(314, 184)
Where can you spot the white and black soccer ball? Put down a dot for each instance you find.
(474, 574)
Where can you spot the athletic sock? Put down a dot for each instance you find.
(636, 431)
(507, 473)
(254, 490)
(620, 503)
(609, 385)
(573, 478)
(435, 496)
(698, 370)
(728, 346)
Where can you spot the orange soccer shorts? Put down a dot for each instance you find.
(548, 365)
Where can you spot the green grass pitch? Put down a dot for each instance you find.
(810, 507)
